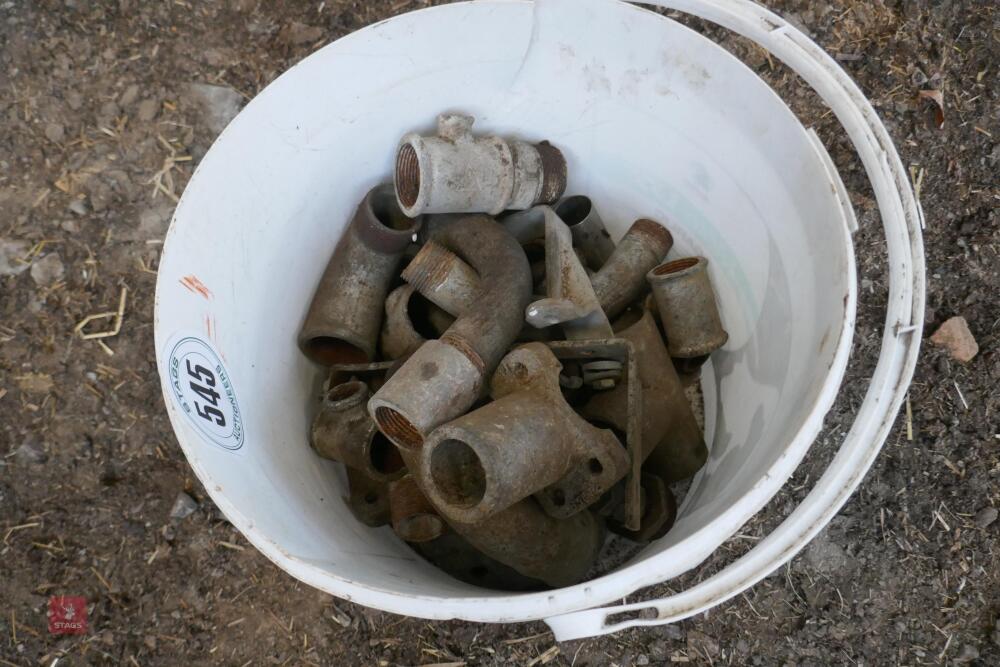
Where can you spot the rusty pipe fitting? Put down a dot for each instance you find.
(443, 378)
(410, 320)
(368, 499)
(443, 278)
(527, 441)
(623, 277)
(658, 514)
(413, 517)
(457, 172)
(589, 233)
(687, 307)
(571, 300)
(342, 324)
(453, 554)
(451, 286)
(673, 447)
(563, 557)
(399, 336)
(344, 431)
(558, 552)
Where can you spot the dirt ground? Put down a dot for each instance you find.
(99, 132)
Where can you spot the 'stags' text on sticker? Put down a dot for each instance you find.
(203, 390)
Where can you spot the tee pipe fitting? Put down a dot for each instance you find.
(343, 431)
(623, 277)
(527, 441)
(457, 172)
(443, 378)
(687, 307)
(558, 552)
(342, 325)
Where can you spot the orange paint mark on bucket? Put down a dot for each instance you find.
(192, 283)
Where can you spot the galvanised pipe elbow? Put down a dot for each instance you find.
(527, 441)
(452, 286)
(443, 278)
(410, 320)
(622, 279)
(342, 325)
(457, 172)
(443, 378)
(344, 431)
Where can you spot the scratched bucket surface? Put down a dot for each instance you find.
(654, 120)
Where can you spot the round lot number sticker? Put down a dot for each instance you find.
(204, 392)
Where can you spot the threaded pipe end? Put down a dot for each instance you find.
(407, 176)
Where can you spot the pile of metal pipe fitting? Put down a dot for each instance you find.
(506, 383)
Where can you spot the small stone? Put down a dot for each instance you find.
(658, 649)
(153, 223)
(147, 110)
(150, 642)
(183, 507)
(954, 336)
(48, 270)
(78, 206)
(300, 33)
(219, 104)
(701, 643)
(30, 453)
(12, 252)
(71, 226)
(986, 516)
(130, 95)
(641, 659)
(967, 654)
(100, 195)
(110, 110)
(55, 132)
(74, 100)
(826, 556)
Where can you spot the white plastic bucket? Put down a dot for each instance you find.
(655, 121)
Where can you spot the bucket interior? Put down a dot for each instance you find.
(654, 120)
